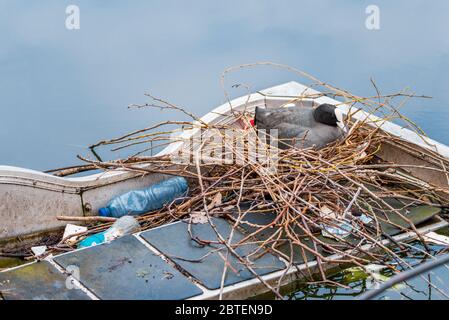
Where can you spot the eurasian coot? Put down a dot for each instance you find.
(301, 127)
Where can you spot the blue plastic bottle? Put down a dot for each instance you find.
(141, 201)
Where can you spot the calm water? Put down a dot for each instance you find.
(61, 90)
(431, 285)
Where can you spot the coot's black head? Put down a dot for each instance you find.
(325, 113)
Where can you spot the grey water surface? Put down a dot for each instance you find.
(62, 90)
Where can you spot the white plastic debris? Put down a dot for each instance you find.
(374, 268)
(344, 228)
(341, 231)
(436, 238)
(72, 229)
(364, 218)
(372, 276)
(216, 201)
(198, 217)
(122, 226)
(39, 251)
(327, 212)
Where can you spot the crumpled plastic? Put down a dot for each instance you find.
(343, 229)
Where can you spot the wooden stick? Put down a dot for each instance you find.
(87, 219)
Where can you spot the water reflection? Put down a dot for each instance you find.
(430, 286)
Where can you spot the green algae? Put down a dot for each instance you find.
(6, 263)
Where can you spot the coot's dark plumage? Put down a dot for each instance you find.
(301, 127)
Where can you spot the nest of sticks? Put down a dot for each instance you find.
(316, 197)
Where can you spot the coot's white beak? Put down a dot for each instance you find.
(340, 117)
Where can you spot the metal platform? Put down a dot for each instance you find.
(161, 263)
